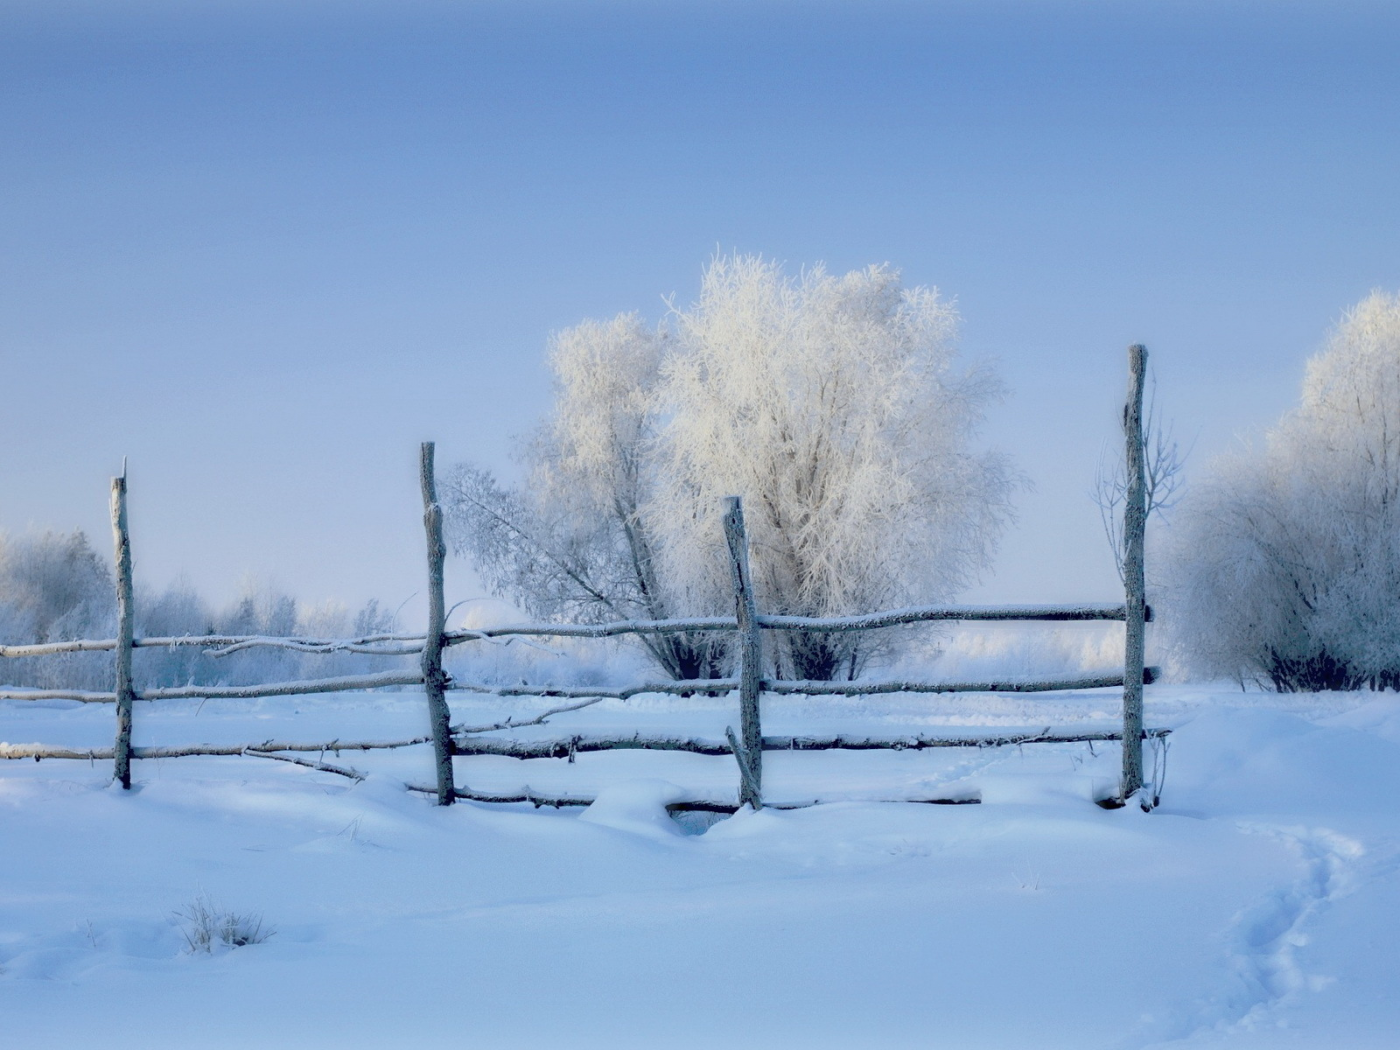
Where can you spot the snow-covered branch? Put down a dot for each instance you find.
(324, 767)
(538, 720)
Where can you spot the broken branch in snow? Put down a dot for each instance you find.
(324, 767)
(511, 723)
(749, 788)
(469, 635)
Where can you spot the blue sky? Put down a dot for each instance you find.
(265, 249)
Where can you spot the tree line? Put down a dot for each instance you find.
(55, 587)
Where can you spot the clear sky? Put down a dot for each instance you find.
(264, 249)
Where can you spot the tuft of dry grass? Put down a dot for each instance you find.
(206, 926)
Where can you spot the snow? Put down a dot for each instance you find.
(1258, 907)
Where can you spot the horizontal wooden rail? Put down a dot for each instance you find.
(683, 687)
(408, 644)
(989, 685)
(80, 645)
(527, 749)
(389, 647)
(37, 751)
(923, 613)
(312, 685)
(689, 806)
(82, 696)
(388, 679)
(869, 621)
(581, 744)
(374, 645)
(593, 630)
(223, 641)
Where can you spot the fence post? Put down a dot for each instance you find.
(121, 751)
(434, 679)
(1134, 582)
(750, 754)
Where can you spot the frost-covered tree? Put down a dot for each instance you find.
(54, 587)
(835, 407)
(1284, 562)
(573, 542)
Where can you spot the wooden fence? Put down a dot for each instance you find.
(749, 624)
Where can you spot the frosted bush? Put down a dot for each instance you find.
(1284, 564)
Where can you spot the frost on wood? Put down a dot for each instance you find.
(1134, 536)
(748, 752)
(587, 743)
(435, 681)
(1284, 563)
(124, 691)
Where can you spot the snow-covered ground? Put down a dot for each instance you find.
(1258, 907)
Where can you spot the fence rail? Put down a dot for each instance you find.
(410, 644)
(747, 746)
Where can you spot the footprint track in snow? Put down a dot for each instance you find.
(1264, 972)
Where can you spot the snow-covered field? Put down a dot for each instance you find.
(1259, 907)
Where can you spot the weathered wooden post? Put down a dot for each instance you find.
(434, 678)
(748, 749)
(1134, 582)
(121, 751)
